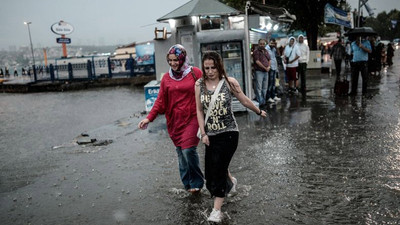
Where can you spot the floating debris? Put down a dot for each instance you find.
(85, 140)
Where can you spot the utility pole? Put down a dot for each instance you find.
(358, 13)
(33, 55)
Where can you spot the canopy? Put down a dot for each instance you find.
(200, 8)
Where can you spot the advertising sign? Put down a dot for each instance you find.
(150, 93)
(62, 28)
(144, 54)
(337, 16)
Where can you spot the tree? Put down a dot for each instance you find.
(382, 24)
(309, 14)
(237, 4)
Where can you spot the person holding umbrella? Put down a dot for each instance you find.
(360, 49)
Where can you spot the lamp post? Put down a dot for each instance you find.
(358, 13)
(33, 56)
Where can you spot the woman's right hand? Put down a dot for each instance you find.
(205, 140)
(143, 124)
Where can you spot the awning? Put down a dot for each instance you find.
(200, 8)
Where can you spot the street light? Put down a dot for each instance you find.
(33, 56)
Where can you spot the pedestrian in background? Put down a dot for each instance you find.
(261, 60)
(303, 60)
(348, 55)
(378, 57)
(383, 56)
(7, 72)
(372, 57)
(176, 99)
(389, 54)
(280, 60)
(15, 72)
(291, 56)
(271, 91)
(338, 53)
(360, 49)
(220, 132)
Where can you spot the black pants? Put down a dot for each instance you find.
(217, 158)
(357, 68)
(338, 66)
(302, 69)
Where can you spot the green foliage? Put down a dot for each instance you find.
(383, 26)
(237, 4)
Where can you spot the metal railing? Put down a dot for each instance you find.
(93, 67)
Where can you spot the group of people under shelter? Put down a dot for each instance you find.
(293, 57)
(364, 55)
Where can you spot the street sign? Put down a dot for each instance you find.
(62, 28)
(64, 40)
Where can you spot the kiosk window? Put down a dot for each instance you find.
(210, 22)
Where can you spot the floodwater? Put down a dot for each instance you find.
(315, 160)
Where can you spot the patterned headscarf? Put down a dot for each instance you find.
(184, 67)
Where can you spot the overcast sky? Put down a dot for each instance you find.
(98, 22)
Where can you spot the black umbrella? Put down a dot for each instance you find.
(361, 31)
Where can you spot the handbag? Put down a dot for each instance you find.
(211, 106)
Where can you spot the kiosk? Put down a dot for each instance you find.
(202, 25)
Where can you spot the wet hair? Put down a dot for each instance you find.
(261, 39)
(219, 64)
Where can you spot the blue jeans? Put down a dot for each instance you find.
(261, 86)
(271, 84)
(189, 168)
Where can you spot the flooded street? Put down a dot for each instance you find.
(315, 160)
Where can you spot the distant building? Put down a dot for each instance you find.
(139, 56)
(12, 48)
(125, 51)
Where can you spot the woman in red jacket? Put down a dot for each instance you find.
(176, 100)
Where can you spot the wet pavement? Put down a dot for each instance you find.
(321, 159)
